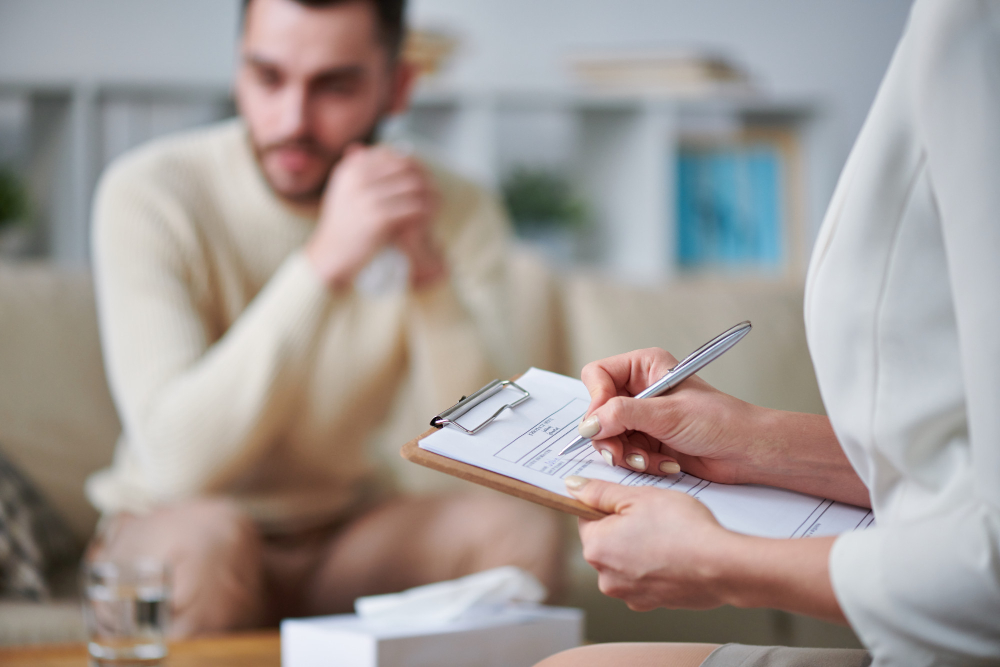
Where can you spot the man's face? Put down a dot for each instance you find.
(311, 81)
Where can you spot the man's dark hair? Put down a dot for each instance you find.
(390, 15)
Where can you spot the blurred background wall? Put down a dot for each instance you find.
(82, 80)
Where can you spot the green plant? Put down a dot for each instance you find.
(13, 198)
(540, 199)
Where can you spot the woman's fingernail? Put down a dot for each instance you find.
(636, 461)
(575, 482)
(589, 427)
(670, 467)
(607, 457)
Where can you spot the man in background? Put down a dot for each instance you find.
(250, 369)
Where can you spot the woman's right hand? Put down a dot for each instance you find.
(695, 427)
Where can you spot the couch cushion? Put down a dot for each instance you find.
(770, 367)
(57, 421)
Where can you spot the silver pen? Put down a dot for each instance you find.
(691, 364)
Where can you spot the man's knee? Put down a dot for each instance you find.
(221, 527)
(510, 531)
(218, 577)
(611, 655)
(202, 529)
(213, 550)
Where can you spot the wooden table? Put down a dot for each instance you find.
(257, 649)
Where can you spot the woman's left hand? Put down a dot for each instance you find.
(657, 548)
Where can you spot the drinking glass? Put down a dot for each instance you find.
(126, 609)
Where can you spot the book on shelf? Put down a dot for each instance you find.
(736, 204)
(668, 72)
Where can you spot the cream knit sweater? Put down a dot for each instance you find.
(235, 371)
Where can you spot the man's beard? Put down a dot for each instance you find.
(311, 146)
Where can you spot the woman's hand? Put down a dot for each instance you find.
(695, 427)
(660, 548)
(657, 547)
(712, 435)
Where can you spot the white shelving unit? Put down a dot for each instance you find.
(619, 151)
(71, 131)
(621, 158)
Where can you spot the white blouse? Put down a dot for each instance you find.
(903, 320)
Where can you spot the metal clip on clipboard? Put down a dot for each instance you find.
(451, 415)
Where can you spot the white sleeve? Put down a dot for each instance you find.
(928, 591)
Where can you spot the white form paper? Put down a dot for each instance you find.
(523, 443)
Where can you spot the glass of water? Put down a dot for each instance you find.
(126, 609)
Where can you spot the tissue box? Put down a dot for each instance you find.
(509, 637)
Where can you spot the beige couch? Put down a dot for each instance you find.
(57, 421)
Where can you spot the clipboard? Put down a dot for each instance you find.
(411, 451)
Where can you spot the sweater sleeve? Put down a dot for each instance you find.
(927, 591)
(195, 402)
(460, 333)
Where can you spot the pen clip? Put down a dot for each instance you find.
(697, 360)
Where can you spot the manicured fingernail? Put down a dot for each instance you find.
(607, 457)
(669, 467)
(636, 461)
(589, 427)
(575, 482)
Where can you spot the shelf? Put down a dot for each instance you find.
(540, 100)
(617, 149)
(619, 154)
(75, 129)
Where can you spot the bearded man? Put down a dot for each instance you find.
(249, 369)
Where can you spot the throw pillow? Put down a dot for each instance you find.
(33, 538)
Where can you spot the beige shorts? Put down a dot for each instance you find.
(741, 655)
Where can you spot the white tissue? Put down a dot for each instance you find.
(386, 274)
(448, 600)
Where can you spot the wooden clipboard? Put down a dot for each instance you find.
(411, 451)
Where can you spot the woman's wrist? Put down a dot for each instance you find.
(792, 575)
(800, 452)
(771, 451)
(766, 446)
